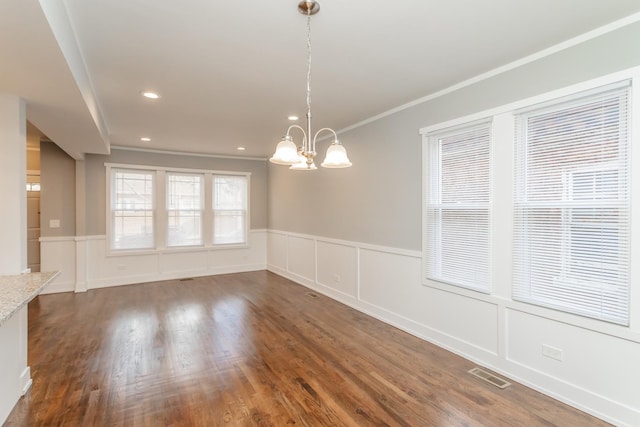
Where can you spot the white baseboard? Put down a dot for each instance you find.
(25, 380)
(145, 278)
(57, 287)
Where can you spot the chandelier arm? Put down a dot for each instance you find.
(296, 127)
(335, 136)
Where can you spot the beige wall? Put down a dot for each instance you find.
(57, 194)
(33, 159)
(96, 181)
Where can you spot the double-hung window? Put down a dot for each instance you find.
(458, 206)
(229, 209)
(571, 236)
(132, 209)
(185, 205)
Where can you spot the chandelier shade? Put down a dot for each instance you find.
(302, 158)
(336, 156)
(286, 152)
(303, 165)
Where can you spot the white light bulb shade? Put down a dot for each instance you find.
(286, 152)
(302, 165)
(336, 156)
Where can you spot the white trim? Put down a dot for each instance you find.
(359, 245)
(93, 237)
(575, 41)
(25, 381)
(172, 169)
(57, 239)
(187, 153)
(560, 103)
(145, 278)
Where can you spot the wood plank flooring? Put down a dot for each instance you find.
(249, 349)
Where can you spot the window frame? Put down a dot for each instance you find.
(111, 176)
(570, 279)
(161, 211)
(244, 210)
(200, 210)
(432, 248)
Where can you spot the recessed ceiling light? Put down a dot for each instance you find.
(145, 139)
(150, 95)
(241, 148)
(293, 118)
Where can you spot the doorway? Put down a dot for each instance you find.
(33, 220)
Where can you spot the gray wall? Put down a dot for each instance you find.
(58, 191)
(96, 181)
(378, 200)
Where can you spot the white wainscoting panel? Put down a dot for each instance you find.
(277, 251)
(599, 374)
(590, 360)
(301, 257)
(191, 263)
(392, 282)
(104, 271)
(387, 280)
(13, 361)
(338, 267)
(232, 260)
(59, 254)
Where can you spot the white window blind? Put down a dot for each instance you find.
(571, 236)
(229, 209)
(132, 215)
(184, 209)
(458, 207)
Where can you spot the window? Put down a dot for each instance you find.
(229, 209)
(571, 237)
(132, 215)
(458, 207)
(184, 209)
(197, 208)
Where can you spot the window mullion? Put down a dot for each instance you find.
(207, 217)
(161, 211)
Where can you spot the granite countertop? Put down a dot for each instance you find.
(17, 291)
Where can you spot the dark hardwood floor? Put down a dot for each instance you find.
(249, 349)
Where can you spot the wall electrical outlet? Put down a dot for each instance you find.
(54, 223)
(552, 352)
(337, 278)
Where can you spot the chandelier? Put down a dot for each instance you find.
(302, 158)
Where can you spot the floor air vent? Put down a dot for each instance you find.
(312, 295)
(185, 279)
(489, 377)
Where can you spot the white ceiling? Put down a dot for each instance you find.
(230, 72)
